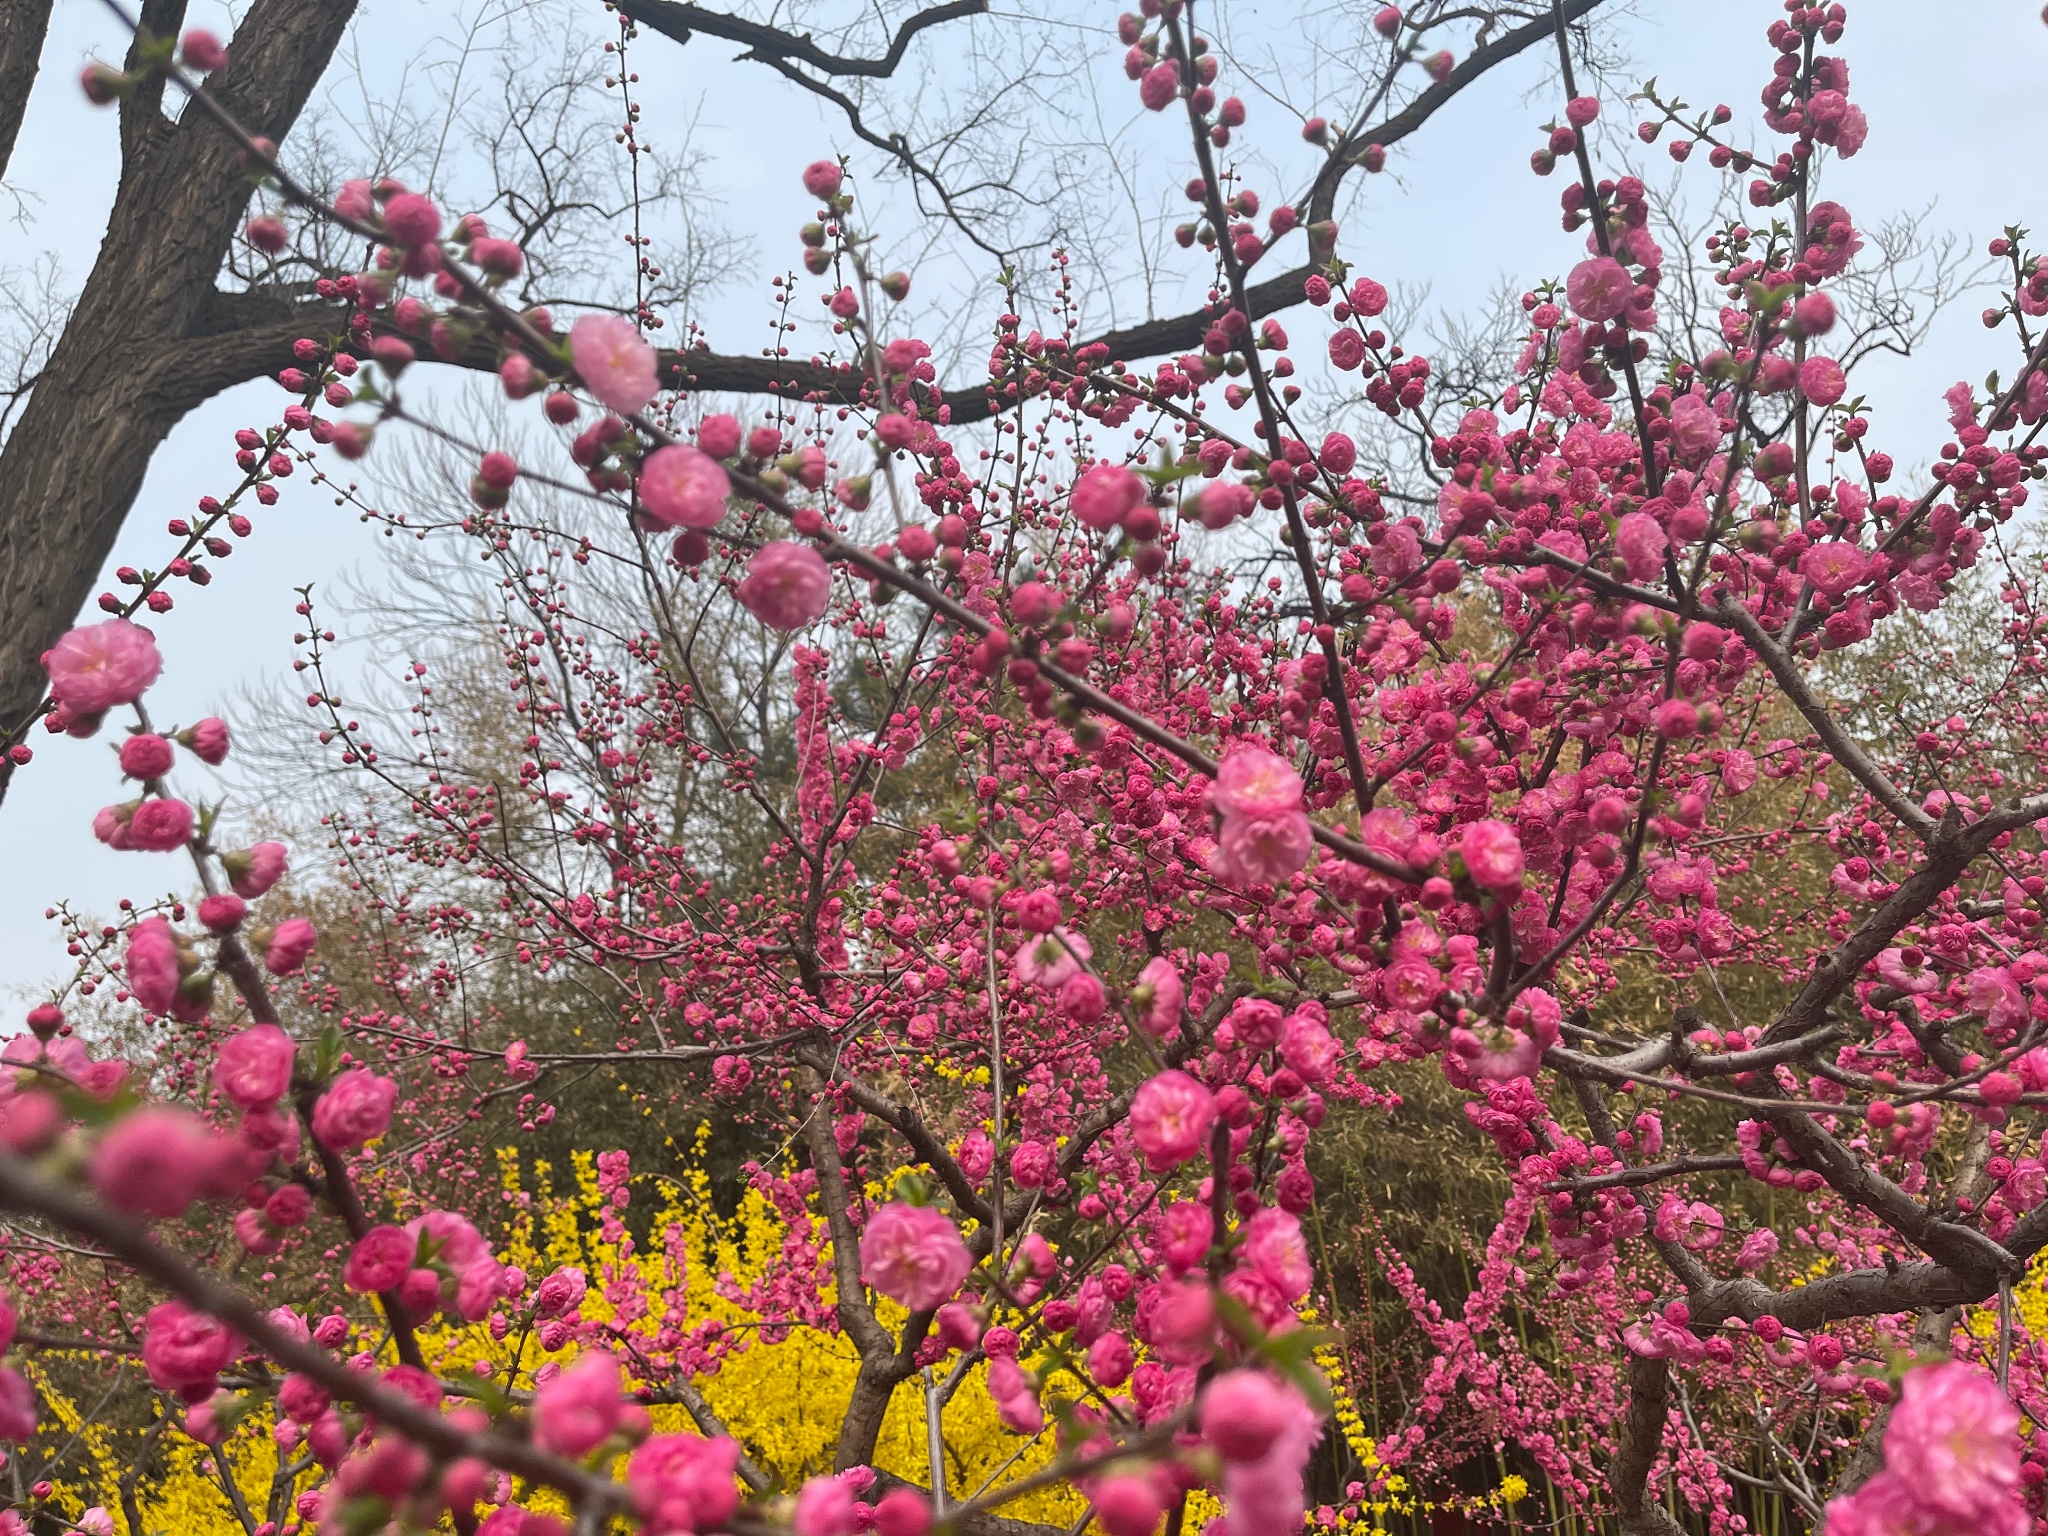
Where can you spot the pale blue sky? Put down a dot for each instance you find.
(1955, 119)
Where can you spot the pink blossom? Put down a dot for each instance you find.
(825, 1507)
(254, 1068)
(291, 941)
(822, 179)
(1048, 962)
(1159, 998)
(252, 871)
(380, 1260)
(1497, 1053)
(914, 1255)
(1640, 539)
(356, 1108)
(560, 1292)
(222, 913)
(574, 1413)
(411, 220)
(1492, 854)
(159, 826)
(683, 487)
(613, 361)
(1599, 288)
(1015, 1396)
(202, 51)
(1263, 850)
(1953, 1438)
(1170, 1119)
(1109, 1360)
(1218, 505)
(1104, 494)
(1264, 1497)
(1695, 430)
(153, 1161)
(1757, 1250)
(1821, 380)
(1275, 1250)
(683, 1483)
(1307, 1046)
(355, 200)
(1159, 85)
(1255, 782)
(19, 1411)
(145, 755)
(787, 585)
(1833, 567)
(152, 965)
(96, 666)
(1243, 1413)
(1128, 1504)
(185, 1350)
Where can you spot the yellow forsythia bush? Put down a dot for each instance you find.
(780, 1393)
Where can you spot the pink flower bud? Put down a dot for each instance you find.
(822, 179)
(145, 756)
(207, 740)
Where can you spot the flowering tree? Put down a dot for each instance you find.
(1097, 881)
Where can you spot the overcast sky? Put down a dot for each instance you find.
(1955, 122)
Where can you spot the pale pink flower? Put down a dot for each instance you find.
(1170, 1119)
(291, 941)
(913, 1254)
(96, 666)
(1262, 850)
(1641, 541)
(1916, 977)
(1492, 854)
(254, 1068)
(1822, 381)
(1255, 782)
(1015, 1396)
(1048, 961)
(252, 871)
(1833, 568)
(1104, 494)
(787, 585)
(152, 964)
(356, 1108)
(1160, 997)
(1757, 1250)
(614, 361)
(1498, 1053)
(683, 487)
(1954, 1439)
(683, 1483)
(1275, 1250)
(575, 1412)
(1599, 288)
(1695, 430)
(1992, 992)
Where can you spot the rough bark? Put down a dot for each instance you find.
(23, 25)
(139, 351)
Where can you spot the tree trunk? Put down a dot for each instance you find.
(140, 349)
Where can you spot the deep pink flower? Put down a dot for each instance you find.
(1015, 1396)
(574, 1413)
(96, 666)
(1159, 85)
(914, 1255)
(1492, 854)
(1110, 1360)
(560, 1292)
(1954, 1439)
(683, 1483)
(160, 826)
(1105, 493)
(355, 1109)
(787, 585)
(1695, 430)
(1256, 850)
(290, 942)
(185, 1350)
(1170, 1119)
(1498, 1053)
(1128, 1503)
(1599, 288)
(825, 1506)
(614, 361)
(222, 913)
(1160, 997)
(1048, 962)
(152, 964)
(254, 1068)
(201, 50)
(145, 755)
(684, 487)
(1255, 782)
(380, 1260)
(252, 871)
